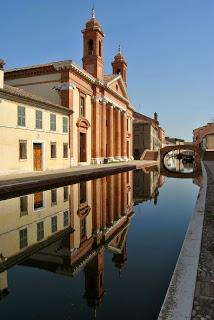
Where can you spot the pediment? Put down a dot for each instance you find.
(118, 85)
(117, 243)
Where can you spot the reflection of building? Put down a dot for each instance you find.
(34, 132)
(101, 125)
(178, 165)
(146, 185)
(3, 285)
(204, 136)
(28, 220)
(146, 134)
(99, 213)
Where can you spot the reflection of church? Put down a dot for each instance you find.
(99, 213)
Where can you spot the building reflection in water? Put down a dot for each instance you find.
(179, 165)
(146, 184)
(68, 229)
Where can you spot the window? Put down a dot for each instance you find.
(23, 206)
(65, 124)
(65, 150)
(40, 231)
(116, 87)
(53, 197)
(82, 106)
(38, 200)
(23, 238)
(53, 122)
(53, 150)
(82, 187)
(66, 218)
(54, 224)
(38, 119)
(118, 71)
(100, 48)
(22, 149)
(66, 193)
(90, 47)
(21, 116)
(83, 228)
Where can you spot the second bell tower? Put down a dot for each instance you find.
(93, 36)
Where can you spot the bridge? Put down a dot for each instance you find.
(165, 150)
(168, 173)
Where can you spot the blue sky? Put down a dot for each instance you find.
(168, 45)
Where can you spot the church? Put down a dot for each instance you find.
(101, 114)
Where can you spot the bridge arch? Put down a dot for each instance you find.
(165, 150)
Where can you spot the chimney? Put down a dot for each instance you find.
(155, 116)
(2, 63)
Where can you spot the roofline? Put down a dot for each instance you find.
(70, 64)
(11, 96)
(140, 115)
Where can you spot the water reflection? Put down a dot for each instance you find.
(146, 185)
(66, 229)
(69, 231)
(177, 164)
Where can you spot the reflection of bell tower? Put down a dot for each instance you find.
(93, 36)
(120, 259)
(94, 281)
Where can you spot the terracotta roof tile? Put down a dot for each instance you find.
(28, 95)
(109, 77)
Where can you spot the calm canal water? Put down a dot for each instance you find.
(105, 248)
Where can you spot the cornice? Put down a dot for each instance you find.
(64, 65)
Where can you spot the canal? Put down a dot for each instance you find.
(101, 249)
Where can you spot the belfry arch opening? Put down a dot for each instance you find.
(90, 47)
(100, 49)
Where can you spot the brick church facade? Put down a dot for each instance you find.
(102, 115)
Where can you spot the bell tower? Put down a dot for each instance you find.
(119, 65)
(93, 36)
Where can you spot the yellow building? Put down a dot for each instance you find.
(34, 132)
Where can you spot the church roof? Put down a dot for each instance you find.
(37, 69)
(109, 77)
(30, 97)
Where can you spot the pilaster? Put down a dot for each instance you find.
(103, 130)
(118, 134)
(123, 135)
(110, 132)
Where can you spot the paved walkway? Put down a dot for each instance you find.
(203, 306)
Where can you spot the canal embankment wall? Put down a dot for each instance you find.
(19, 184)
(178, 301)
